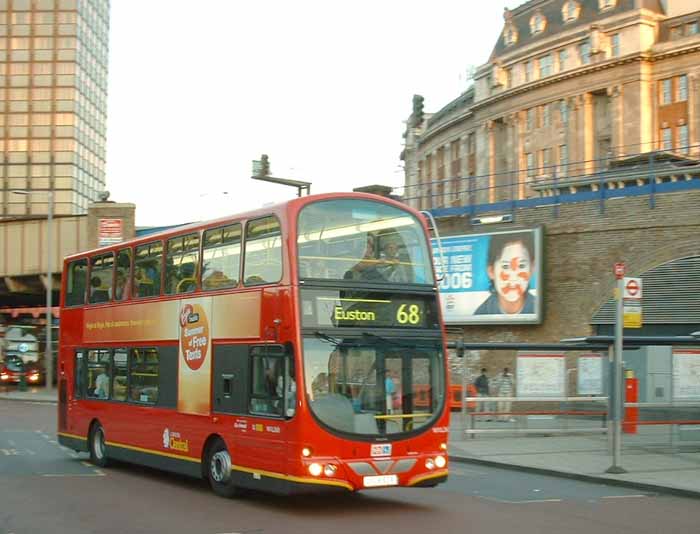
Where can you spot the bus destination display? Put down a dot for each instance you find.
(352, 309)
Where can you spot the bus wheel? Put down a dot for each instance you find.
(219, 470)
(98, 455)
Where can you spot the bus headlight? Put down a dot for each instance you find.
(440, 461)
(429, 463)
(315, 469)
(329, 470)
(306, 452)
(443, 446)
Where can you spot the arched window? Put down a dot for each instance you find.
(510, 35)
(570, 11)
(604, 5)
(537, 23)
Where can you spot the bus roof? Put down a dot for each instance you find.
(293, 205)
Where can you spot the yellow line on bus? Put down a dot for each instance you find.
(74, 436)
(150, 451)
(421, 478)
(291, 478)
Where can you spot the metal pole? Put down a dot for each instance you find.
(48, 358)
(615, 468)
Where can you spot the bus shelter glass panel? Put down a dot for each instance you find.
(362, 241)
(374, 386)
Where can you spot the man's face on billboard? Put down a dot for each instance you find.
(511, 272)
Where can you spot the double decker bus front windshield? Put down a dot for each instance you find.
(374, 386)
(362, 241)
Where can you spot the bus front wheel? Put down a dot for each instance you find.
(98, 454)
(219, 470)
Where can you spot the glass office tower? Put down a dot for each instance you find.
(53, 104)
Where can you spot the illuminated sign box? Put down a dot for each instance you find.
(491, 278)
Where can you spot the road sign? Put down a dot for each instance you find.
(632, 314)
(619, 270)
(633, 288)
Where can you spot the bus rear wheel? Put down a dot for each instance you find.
(219, 470)
(98, 451)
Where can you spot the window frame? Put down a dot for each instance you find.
(244, 252)
(71, 280)
(170, 291)
(204, 248)
(266, 351)
(135, 264)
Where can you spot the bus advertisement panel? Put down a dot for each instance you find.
(493, 278)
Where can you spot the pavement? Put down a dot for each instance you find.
(655, 458)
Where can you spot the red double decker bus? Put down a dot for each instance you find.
(293, 347)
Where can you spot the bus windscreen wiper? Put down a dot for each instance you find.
(391, 342)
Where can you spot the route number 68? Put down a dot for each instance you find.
(408, 314)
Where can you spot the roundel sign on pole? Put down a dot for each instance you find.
(633, 288)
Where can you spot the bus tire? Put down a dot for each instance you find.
(219, 470)
(96, 446)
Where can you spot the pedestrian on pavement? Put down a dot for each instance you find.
(482, 390)
(505, 387)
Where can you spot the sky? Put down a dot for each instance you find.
(199, 89)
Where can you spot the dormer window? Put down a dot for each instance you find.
(510, 35)
(537, 23)
(570, 10)
(604, 5)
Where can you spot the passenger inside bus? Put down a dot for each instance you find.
(366, 268)
(97, 294)
(145, 286)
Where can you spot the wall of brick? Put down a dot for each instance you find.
(581, 244)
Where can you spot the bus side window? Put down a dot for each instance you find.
(181, 263)
(266, 371)
(101, 274)
(120, 378)
(79, 386)
(99, 370)
(122, 275)
(143, 376)
(221, 257)
(76, 283)
(147, 269)
(263, 252)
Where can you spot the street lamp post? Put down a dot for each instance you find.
(48, 355)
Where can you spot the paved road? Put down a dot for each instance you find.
(44, 488)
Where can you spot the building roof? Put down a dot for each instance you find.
(552, 11)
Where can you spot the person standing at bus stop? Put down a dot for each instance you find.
(505, 387)
(482, 390)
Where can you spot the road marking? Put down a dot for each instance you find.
(55, 475)
(87, 464)
(623, 496)
(518, 502)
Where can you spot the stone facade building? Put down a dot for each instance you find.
(53, 105)
(571, 86)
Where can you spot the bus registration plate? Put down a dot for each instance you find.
(380, 480)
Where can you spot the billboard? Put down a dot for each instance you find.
(491, 278)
